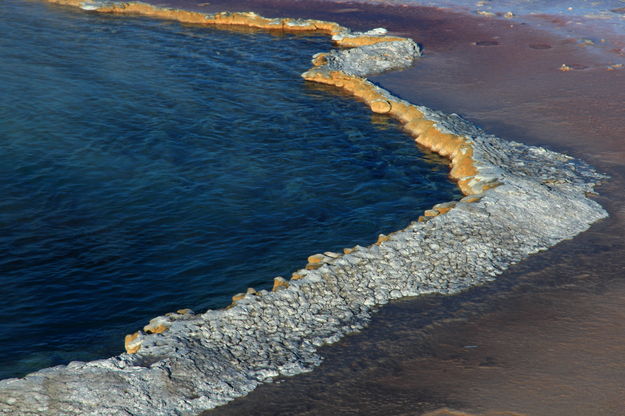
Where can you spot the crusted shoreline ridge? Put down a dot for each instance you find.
(518, 200)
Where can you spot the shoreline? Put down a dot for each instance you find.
(525, 180)
(532, 336)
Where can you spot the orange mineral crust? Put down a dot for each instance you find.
(424, 131)
(245, 19)
(341, 36)
(349, 42)
(131, 344)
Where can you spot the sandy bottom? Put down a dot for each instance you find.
(548, 338)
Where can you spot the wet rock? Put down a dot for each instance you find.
(157, 325)
(381, 106)
(132, 342)
(279, 283)
(372, 59)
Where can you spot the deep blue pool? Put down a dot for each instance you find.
(147, 166)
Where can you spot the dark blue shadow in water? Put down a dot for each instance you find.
(147, 166)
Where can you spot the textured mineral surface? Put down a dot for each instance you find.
(519, 200)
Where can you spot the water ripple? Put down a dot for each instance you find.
(147, 166)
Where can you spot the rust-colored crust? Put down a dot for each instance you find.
(364, 40)
(131, 346)
(155, 329)
(424, 131)
(279, 283)
(242, 19)
(247, 19)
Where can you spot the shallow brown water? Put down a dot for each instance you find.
(548, 337)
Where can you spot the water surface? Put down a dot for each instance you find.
(147, 166)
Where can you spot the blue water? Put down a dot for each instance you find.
(147, 166)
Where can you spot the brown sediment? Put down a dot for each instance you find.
(158, 325)
(155, 329)
(296, 276)
(75, 3)
(381, 106)
(251, 20)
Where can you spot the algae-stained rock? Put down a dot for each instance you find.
(251, 291)
(132, 342)
(431, 213)
(319, 59)
(279, 283)
(381, 106)
(238, 296)
(382, 238)
(317, 258)
(158, 325)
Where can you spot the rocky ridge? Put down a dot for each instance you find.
(520, 200)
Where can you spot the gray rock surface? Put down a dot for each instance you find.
(205, 360)
(373, 59)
